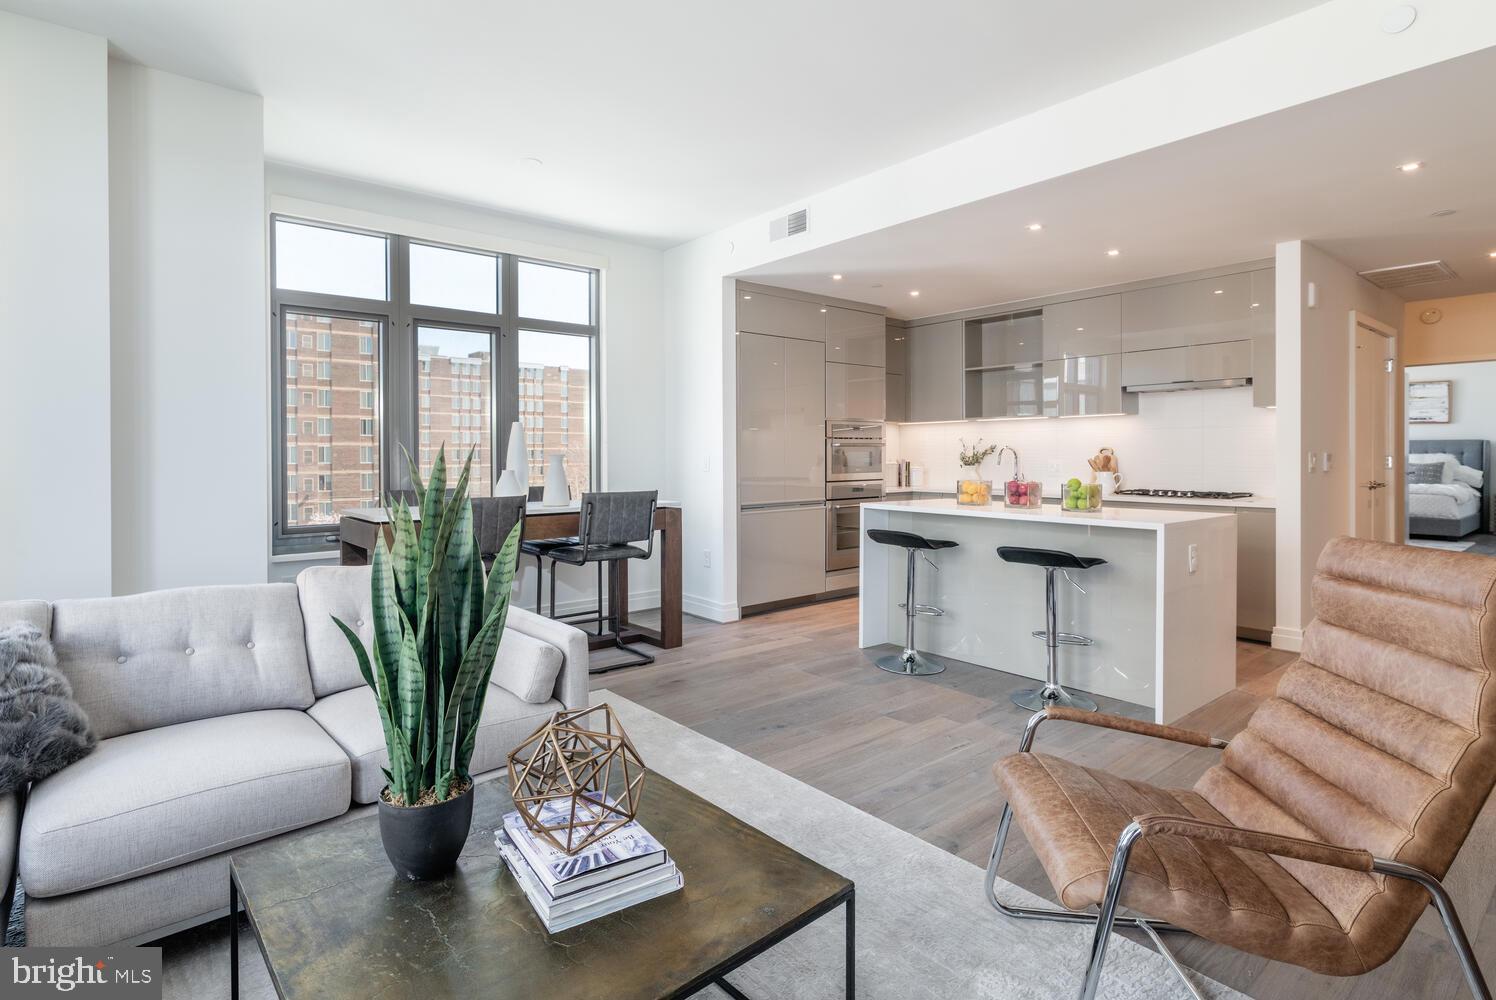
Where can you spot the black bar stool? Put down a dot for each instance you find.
(1052, 561)
(909, 661)
(610, 523)
(541, 549)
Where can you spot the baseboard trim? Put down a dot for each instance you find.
(1289, 639)
(716, 611)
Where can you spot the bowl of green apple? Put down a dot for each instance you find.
(1080, 497)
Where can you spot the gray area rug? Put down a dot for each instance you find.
(924, 929)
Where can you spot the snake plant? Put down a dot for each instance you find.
(437, 623)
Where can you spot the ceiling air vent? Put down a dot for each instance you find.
(1410, 274)
(791, 225)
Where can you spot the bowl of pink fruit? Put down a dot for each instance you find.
(1022, 493)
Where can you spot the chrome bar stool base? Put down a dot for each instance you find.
(909, 663)
(1038, 699)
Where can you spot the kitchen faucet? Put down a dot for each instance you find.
(1017, 473)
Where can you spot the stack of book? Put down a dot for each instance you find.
(626, 867)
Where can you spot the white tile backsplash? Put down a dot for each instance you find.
(1207, 439)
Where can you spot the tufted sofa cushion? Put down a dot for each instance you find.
(325, 592)
(173, 656)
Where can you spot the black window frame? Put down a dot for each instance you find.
(397, 387)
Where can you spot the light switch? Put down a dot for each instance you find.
(1194, 558)
(1313, 461)
(1324, 461)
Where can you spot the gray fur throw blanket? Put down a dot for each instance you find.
(42, 730)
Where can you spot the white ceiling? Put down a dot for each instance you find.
(1324, 172)
(655, 120)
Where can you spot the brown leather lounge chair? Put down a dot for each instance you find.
(1322, 834)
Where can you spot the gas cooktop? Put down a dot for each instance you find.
(1185, 494)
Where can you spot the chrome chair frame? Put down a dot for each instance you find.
(1106, 916)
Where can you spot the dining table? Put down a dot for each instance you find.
(359, 527)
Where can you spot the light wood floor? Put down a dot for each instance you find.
(792, 689)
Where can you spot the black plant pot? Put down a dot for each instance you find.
(423, 842)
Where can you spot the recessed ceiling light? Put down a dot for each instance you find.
(823, 310)
(747, 297)
(914, 293)
(1442, 213)
(1034, 227)
(1113, 253)
(1254, 305)
(1492, 253)
(1080, 329)
(1220, 291)
(836, 277)
(1411, 167)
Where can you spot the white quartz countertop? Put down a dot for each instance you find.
(1257, 503)
(1143, 518)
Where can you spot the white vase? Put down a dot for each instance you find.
(510, 485)
(557, 492)
(516, 457)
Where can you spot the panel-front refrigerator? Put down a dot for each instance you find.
(781, 468)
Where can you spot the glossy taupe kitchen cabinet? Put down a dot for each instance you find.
(1016, 391)
(781, 420)
(935, 366)
(1264, 327)
(1014, 339)
(895, 349)
(1200, 311)
(760, 312)
(1085, 387)
(854, 392)
(1083, 328)
(854, 337)
(782, 554)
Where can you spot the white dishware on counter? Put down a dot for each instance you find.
(515, 456)
(510, 485)
(557, 491)
(1110, 482)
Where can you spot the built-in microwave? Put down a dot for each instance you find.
(854, 450)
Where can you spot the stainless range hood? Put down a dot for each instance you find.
(1198, 366)
(1216, 383)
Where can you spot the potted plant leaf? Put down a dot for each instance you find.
(437, 624)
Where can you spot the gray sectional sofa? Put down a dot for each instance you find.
(225, 716)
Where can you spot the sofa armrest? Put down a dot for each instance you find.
(573, 686)
(10, 844)
(1256, 840)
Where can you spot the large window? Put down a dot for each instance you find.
(389, 344)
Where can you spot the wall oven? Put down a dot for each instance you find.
(854, 451)
(844, 521)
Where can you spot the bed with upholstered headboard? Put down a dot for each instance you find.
(1443, 522)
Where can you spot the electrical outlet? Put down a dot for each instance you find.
(1324, 461)
(706, 558)
(1053, 467)
(1194, 553)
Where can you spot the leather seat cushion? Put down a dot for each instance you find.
(1046, 557)
(580, 554)
(155, 799)
(352, 719)
(1072, 817)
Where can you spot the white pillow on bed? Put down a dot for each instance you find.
(1470, 477)
(1447, 476)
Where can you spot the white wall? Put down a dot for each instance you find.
(1472, 400)
(1314, 400)
(634, 356)
(54, 311)
(1203, 440)
(190, 413)
(1324, 50)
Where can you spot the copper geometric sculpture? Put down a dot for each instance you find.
(565, 783)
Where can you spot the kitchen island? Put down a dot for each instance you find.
(1162, 610)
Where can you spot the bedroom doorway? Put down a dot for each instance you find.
(1373, 407)
(1451, 424)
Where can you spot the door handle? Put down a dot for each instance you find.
(1376, 485)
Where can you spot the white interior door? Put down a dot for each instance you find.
(1373, 435)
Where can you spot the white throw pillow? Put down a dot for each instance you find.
(1468, 476)
(526, 667)
(1447, 476)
